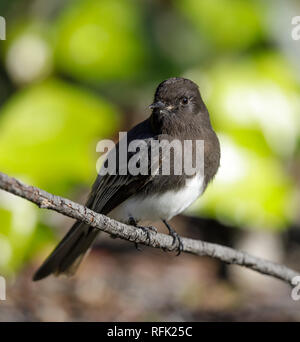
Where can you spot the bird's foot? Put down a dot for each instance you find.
(146, 229)
(176, 238)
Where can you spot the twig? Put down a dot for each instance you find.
(66, 207)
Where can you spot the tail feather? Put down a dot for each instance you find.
(69, 253)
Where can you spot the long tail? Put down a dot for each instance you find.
(69, 253)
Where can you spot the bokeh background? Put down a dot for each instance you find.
(74, 72)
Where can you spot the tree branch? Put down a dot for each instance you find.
(66, 207)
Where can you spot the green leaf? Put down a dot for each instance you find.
(49, 132)
(100, 40)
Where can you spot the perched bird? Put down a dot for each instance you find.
(178, 113)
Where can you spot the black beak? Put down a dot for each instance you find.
(157, 105)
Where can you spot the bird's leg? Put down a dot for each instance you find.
(147, 230)
(175, 236)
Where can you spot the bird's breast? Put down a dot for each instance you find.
(155, 207)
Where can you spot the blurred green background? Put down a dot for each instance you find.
(74, 72)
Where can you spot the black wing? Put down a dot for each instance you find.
(111, 190)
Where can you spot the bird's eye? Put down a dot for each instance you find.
(184, 100)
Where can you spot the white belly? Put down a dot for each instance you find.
(159, 207)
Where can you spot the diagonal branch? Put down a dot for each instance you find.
(66, 207)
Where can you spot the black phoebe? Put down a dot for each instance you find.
(178, 113)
